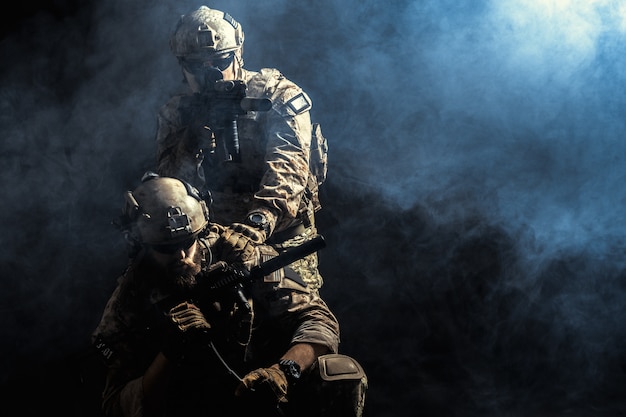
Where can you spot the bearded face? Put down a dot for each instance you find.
(181, 274)
(176, 271)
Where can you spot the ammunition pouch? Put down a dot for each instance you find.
(318, 162)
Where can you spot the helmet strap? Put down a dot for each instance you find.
(239, 63)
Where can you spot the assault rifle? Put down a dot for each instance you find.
(222, 276)
(225, 277)
(226, 101)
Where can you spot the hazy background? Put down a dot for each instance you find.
(474, 208)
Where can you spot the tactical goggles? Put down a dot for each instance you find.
(196, 66)
(174, 247)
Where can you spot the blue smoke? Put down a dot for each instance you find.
(514, 107)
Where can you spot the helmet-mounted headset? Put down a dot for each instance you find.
(164, 211)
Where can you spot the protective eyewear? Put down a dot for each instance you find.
(174, 247)
(197, 66)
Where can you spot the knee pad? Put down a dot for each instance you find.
(339, 383)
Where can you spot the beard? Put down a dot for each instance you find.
(179, 277)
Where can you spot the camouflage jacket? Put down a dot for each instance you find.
(273, 175)
(131, 333)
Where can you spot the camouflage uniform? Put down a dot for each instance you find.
(284, 311)
(273, 176)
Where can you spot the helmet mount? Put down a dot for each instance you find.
(178, 222)
(163, 211)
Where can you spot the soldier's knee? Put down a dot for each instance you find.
(338, 383)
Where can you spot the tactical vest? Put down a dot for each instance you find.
(233, 183)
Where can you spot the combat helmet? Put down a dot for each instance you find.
(164, 211)
(204, 33)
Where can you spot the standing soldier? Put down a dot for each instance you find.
(244, 135)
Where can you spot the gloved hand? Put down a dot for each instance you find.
(255, 235)
(237, 246)
(269, 384)
(186, 325)
(188, 318)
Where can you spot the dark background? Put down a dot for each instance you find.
(474, 209)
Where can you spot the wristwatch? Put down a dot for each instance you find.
(258, 220)
(291, 370)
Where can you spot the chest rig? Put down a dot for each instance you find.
(234, 168)
(240, 173)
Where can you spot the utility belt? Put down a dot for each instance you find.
(304, 228)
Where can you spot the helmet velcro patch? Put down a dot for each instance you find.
(230, 20)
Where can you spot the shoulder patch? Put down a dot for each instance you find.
(299, 103)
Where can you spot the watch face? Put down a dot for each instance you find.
(259, 221)
(290, 368)
(257, 218)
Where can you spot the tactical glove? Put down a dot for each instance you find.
(188, 318)
(237, 247)
(256, 235)
(187, 324)
(268, 384)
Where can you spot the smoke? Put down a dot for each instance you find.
(473, 209)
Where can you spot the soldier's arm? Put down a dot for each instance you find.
(284, 182)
